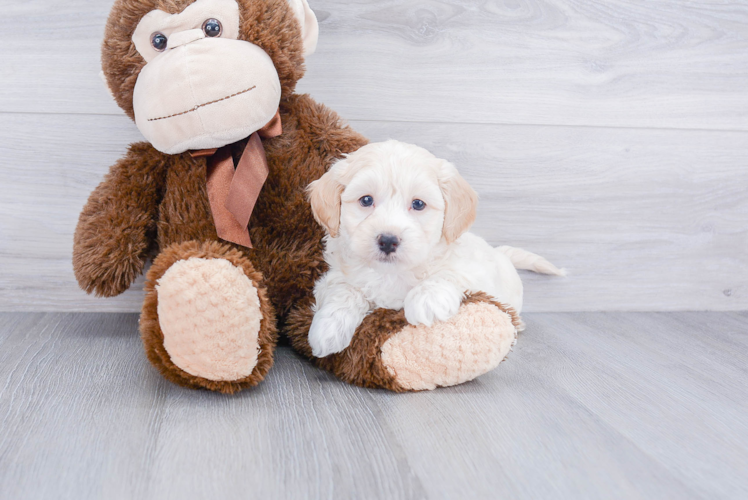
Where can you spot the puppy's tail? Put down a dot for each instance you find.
(522, 259)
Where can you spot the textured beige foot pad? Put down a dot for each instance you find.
(209, 313)
(469, 344)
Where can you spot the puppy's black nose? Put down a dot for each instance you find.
(388, 243)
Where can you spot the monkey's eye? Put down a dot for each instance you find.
(418, 205)
(158, 40)
(366, 201)
(212, 28)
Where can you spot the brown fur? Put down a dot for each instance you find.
(117, 226)
(461, 202)
(153, 338)
(151, 201)
(360, 363)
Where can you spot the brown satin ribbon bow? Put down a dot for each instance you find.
(233, 192)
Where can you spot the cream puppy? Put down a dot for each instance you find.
(396, 218)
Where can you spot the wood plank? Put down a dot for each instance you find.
(588, 405)
(301, 434)
(615, 63)
(50, 165)
(82, 409)
(77, 401)
(642, 219)
(671, 384)
(660, 63)
(628, 379)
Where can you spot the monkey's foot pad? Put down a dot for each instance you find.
(209, 313)
(469, 344)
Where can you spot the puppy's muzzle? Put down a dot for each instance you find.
(388, 243)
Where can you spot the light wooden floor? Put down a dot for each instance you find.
(610, 136)
(588, 405)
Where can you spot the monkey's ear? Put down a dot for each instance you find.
(309, 26)
(324, 196)
(461, 203)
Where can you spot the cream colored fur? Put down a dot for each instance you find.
(209, 313)
(465, 346)
(435, 263)
(202, 92)
(179, 103)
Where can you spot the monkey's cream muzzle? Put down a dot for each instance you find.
(201, 92)
(203, 89)
(187, 99)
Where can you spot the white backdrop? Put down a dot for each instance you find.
(610, 137)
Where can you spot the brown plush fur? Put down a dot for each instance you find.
(360, 363)
(153, 338)
(117, 226)
(151, 201)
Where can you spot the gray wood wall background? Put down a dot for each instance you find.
(610, 136)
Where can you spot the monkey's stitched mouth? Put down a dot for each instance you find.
(203, 105)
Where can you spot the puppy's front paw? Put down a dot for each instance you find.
(432, 301)
(331, 331)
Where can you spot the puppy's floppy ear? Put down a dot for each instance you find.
(460, 200)
(324, 195)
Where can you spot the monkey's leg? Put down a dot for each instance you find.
(387, 352)
(206, 320)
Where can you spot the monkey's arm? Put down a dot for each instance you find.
(117, 226)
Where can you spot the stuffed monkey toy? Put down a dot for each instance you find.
(217, 198)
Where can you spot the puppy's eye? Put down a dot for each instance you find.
(366, 201)
(158, 40)
(212, 28)
(418, 205)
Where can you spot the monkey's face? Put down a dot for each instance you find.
(202, 83)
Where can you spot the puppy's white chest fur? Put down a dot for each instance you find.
(382, 288)
(469, 264)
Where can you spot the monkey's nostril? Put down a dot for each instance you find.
(388, 243)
